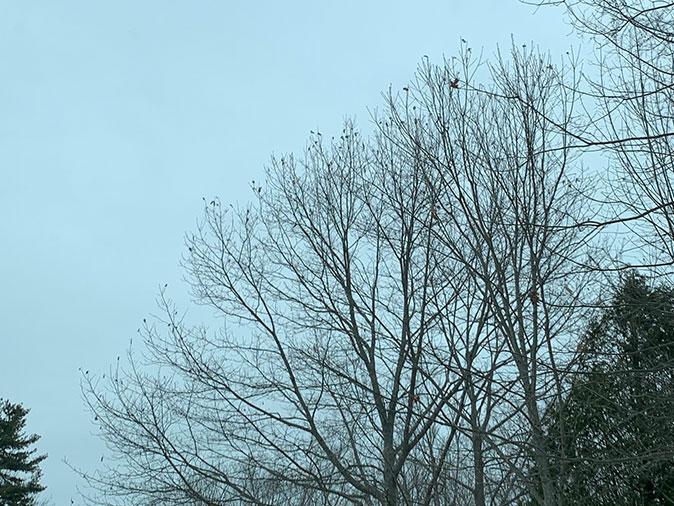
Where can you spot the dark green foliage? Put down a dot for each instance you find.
(19, 467)
(612, 441)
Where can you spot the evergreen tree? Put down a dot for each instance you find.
(19, 467)
(613, 438)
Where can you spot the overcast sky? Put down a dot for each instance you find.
(116, 117)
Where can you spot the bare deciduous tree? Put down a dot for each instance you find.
(319, 384)
(631, 119)
(397, 313)
(508, 195)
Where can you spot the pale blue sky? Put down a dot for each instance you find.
(117, 117)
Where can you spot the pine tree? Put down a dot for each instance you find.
(19, 467)
(613, 438)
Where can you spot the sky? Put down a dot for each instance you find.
(116, 118)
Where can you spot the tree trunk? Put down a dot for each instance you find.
(541, 458)
(478, 470)
(477, 443)
(390, 486)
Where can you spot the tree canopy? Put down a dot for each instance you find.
(19, 465)
(617, 419)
